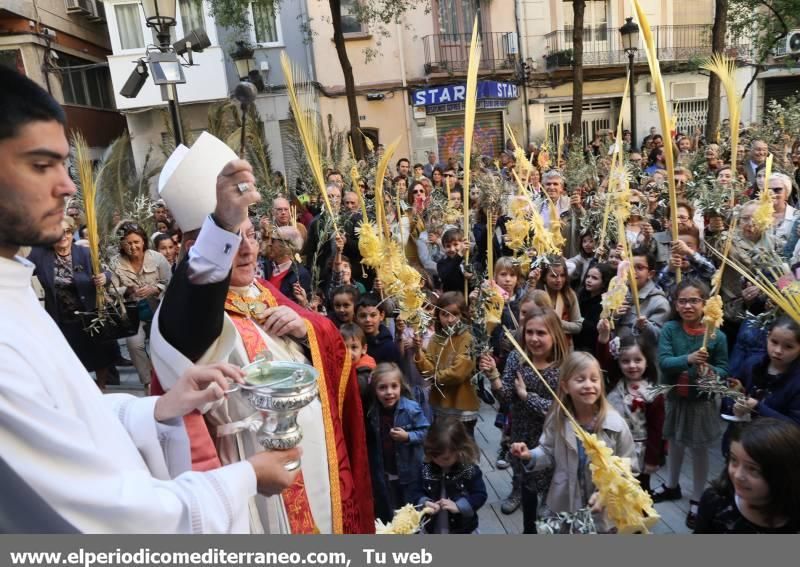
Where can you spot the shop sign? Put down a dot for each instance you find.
(449, 94)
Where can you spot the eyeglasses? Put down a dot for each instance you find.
(693, 301)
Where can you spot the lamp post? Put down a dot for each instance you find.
(165, 67)
(630, 43)
(243, 59)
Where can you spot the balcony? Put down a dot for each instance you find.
(449, 53)
(603, 46)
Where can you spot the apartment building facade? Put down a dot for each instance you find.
(62, 45)
(213, 76)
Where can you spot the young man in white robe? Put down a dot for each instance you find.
(112, 463)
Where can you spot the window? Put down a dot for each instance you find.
(129, 24)
(349, 13)
(457, 16)
(264, 23)
(192, 17)
(11, 58)
(85, 83)
(595, 19)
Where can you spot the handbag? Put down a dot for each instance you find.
(114, 323)
(145, 310)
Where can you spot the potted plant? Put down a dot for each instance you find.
(560, 58)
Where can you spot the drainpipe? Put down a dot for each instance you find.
(520, 7)
(405, 85)
(309, 52)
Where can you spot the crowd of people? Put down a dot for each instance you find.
(632, 378)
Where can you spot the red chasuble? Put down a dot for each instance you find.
(352, 508)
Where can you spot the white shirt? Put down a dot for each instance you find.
(102, 462)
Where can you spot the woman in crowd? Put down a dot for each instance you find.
(141, 275)
(70, 286)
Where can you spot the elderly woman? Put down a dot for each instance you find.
(65, 273)
(141, 275)
(780, 188)
(737, 295)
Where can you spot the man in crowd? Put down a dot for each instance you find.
(351, 202)
(432, 164)
(569, 209)
(112, 463)
(759, 150)
(403, 167)
(282, 216)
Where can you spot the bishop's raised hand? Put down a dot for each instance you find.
(236, 191)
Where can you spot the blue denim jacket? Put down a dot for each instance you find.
(408, 415)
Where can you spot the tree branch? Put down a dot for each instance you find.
(758, 69)
(769, 6)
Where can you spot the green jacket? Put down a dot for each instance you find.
(674, 348)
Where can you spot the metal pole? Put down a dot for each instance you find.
(175, 114)
(634, 139)
(163, 36)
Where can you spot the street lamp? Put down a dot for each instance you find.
(243, 59)
(160, 15)
(630, 43)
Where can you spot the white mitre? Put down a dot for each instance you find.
(188, 180)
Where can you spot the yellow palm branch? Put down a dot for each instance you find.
(663, 111)
(763, 216)
(725, 69)
(303, 108)
(470, 106)
(83, 163)
(380, 175)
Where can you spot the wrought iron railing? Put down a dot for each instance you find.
(449, 53)
(603, 46)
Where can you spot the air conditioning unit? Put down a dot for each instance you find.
(793, 43)
(98, 12)
(78, 6)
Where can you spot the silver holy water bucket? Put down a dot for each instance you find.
(279, 390)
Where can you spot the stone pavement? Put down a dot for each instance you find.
(498, 485)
